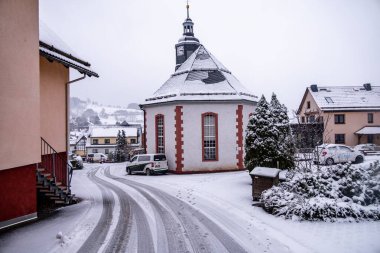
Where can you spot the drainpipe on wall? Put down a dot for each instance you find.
(68, 113)
(144, 129)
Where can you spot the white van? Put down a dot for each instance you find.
(96, 158)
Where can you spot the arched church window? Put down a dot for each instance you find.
(210, 136)
(160, 133)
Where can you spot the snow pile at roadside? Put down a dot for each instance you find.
(350, 192)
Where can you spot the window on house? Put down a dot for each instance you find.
(303, 119)
(329, 100)
(339, 139)
(95, 141)
(370, 138)
(370, 117)
(106, 151)
(339, 118)
(210, 136)
(133, 141)
(308, 105)
(107, 141)
(311, 119)
(160, 134)
(94, 150)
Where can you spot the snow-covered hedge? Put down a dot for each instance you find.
(328, 193)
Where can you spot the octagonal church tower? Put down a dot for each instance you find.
(199, 115)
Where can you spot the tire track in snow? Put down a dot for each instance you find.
(176, 242)
(129, 210)
(197, 226)
(98, 235)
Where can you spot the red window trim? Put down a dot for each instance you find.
(163, 130)
(216, 137)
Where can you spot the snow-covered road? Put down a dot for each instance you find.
(178, 213)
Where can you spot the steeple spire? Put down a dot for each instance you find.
(187, 7)
(188, 43)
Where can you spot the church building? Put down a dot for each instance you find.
(198, 117)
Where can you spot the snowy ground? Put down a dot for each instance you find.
(178, 213)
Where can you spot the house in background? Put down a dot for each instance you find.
(102, 139)
(350, 114)
(198, 116)
(78, 144)
(34, 79)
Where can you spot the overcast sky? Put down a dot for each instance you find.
(279, 46)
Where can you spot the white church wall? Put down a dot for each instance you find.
(192, 136)
(168, 112)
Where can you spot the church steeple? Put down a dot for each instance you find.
(188, 24)
(188, 43)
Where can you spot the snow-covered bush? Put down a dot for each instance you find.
(329, 194)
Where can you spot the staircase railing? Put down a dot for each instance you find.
(56, 164)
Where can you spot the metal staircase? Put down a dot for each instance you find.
(53, 176)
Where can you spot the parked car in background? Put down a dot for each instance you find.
(365, 147)
(148, 163)
(335, 153)
(76, 161)
(96, 158)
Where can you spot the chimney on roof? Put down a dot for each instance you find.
(367, 86)
(314, 88)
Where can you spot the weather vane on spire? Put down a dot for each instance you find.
(187, 7)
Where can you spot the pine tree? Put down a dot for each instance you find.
(123, 145)
(285, 145)
(261, 137)
(117, 150)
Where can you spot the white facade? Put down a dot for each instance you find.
(192, 134)
(169, 131)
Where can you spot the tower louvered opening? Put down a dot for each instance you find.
(208, 77)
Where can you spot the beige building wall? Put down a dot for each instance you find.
(101, 140)
(354, 121)
(19, 84)
(53, 78)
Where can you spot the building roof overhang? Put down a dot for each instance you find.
(53, 54)
(368, 130)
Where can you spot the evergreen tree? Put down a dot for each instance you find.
(261, 137)
(268, 140)
(120, 146)
(285, 145)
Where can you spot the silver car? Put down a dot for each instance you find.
(335, 153)
(148, 163)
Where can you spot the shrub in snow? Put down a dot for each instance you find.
(268, 140)
(329, 194)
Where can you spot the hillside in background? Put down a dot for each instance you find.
(87, 112)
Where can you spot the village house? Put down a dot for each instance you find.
(78, 144)
(34, 79)
(198, 116)
(102, 139)
(350, 114)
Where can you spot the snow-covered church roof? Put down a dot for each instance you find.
(202, 78)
